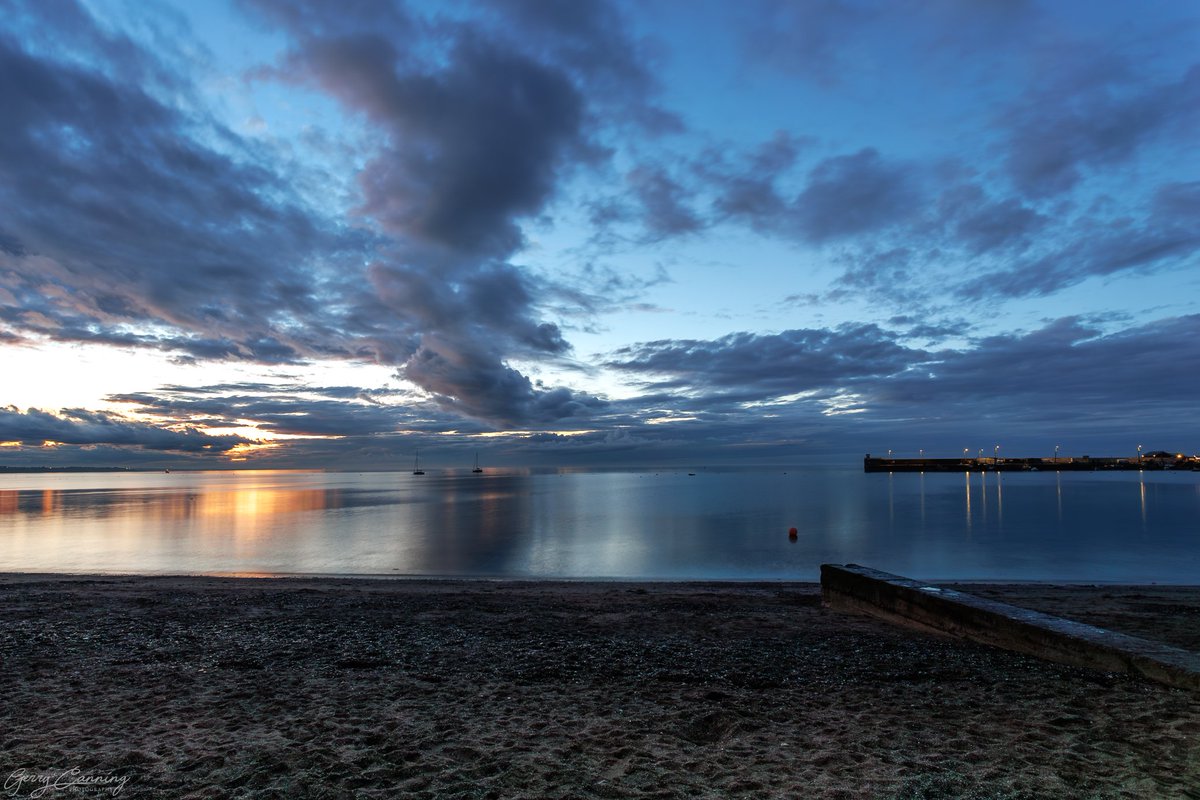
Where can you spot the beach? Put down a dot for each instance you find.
(334, 687)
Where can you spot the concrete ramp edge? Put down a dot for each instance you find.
(854, 588)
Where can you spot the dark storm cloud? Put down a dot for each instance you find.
(758, 366)
(82, 427)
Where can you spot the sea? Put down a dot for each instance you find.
(713, 524)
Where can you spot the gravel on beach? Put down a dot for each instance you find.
(204, 687)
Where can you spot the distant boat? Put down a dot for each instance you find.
(477, 467)
(417, 464)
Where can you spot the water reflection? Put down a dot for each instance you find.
(1058, 492)
(247, 505)
(1142, 492)
(968, 482)
(999, 499)
(922, 499)
(983, 495)
(577, 524)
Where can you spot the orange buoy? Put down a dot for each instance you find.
(792, 533)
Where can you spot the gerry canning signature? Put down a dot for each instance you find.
(41, 784)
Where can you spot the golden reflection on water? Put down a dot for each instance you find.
(119, 524)
(242, 502)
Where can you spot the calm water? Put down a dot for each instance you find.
(1124, 527)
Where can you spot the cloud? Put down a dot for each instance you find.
(466, 377)
(481, 120)
(855, 194)
(118, 220)
(479, 126)
(982, 224)
(592, 40)
(1164, 237)
(844, 196)
(1067, 375)
(835, 390)
(288, 409)
(807, 38)
(474, 149)
(663, 204)
(140, 222)
(1063, 130)
(839, 44)
(77, 426)
(753, 366)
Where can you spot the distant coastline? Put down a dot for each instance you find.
(74, 469)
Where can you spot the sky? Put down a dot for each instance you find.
(278, 234)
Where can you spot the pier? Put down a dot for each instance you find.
(1161, 460)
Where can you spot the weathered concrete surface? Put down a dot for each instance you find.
(851, 587)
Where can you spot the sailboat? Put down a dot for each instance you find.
(477, 467)
(417, 464)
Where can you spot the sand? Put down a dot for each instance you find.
(333, 688)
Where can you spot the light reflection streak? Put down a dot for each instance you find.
(968, 477)
(983, 495)
(922, 499)
(586, 525)
(1058, 492)
(891, 505)
(1142, 491)
(999, 500)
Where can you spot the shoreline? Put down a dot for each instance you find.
(197, 686)
(554, 579)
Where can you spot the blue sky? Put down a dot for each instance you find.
(285, 234)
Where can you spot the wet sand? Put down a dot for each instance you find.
(332, 688)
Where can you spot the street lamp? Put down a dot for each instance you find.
(1055, 454)
(1139, 454)
(996, 460)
